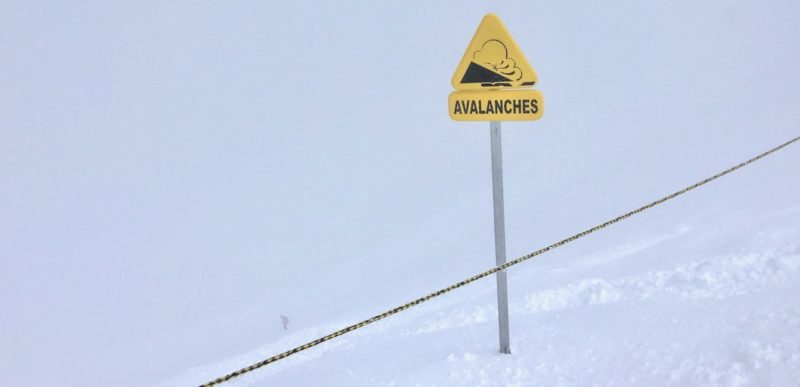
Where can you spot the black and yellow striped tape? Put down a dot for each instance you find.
(489, 272)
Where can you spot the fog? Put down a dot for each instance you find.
(176, 176)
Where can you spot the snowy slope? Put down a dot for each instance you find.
(708, 301)
(175, 176)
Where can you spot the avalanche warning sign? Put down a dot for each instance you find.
(493, 60)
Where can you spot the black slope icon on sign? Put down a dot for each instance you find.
(478, 74)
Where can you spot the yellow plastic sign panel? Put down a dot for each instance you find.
(496, 105)
(493, 60)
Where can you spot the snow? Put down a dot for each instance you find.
(175, 176)
(729, 318)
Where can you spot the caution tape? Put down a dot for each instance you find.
(488, 272)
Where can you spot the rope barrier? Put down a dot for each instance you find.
(489, 272)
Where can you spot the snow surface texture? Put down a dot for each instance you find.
(729, 319)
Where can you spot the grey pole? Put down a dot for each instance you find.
(500, 235)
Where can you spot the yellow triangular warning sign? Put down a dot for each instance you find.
(493, 60)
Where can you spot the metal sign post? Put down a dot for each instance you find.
(493, 82)
(500, 235)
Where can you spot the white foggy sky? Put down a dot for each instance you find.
(174, 176)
